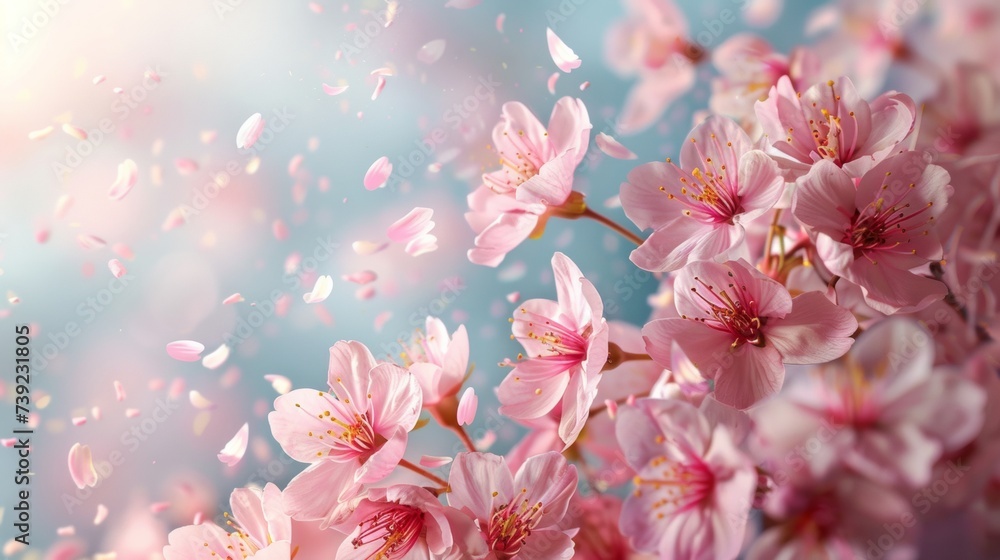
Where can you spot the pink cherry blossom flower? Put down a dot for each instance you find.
(842, 516)
(739, 327)
(535, 181)
(439, 362)
(874, 235)
(749, 68)
(599, 538)
(698, 209)
(566, 346)
(355, 434)
(693, 487)
(407, 522)
(882, 412)
(830, 121)
(652, 43)
(518, 515)
(261, 530)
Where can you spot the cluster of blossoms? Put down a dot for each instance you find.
(817, 379)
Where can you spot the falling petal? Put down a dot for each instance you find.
(383, 71)
(79, 420)
(294, 164)
(562, 55)
(208, 136)
(415, 223)
(381, 319)
(513, 297)
(127, 175)
(81, 466)
(280, 383)
(235, 298)
(40, 133)
(613, 148)
(67, 531)
(368, 247)
(119, 391)
(102, 514)
(421, 245)
(432, 462)
(584, 86)
(90, 241)
(185, 166)
(323, 315)
(235, 448)
(185, 350)
(158, 507)
(501, 18)
(379, 86)
(432, 51)
(201, 421)
(334, 90)
(364, 293)
(363, 277)
(97, 79)
(63, 205)
(467, 407)
(216, 358)
(514, 272)
(378, 173)
(552, 82)
(117, 268)
(199, 401)
(280, 230)
(391, 10)
(321, 290)
(250, 131)
(174, 219)
(75, 132)
(131, 412)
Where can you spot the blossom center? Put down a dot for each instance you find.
(519, 163)
(352, 429)
(398, 527)
(511, 525)
(887, 225)
(736, 314)
(710, 194)
(556, 339)
(242, 542)
(676, 485)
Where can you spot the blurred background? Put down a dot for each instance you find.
(207, 220)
